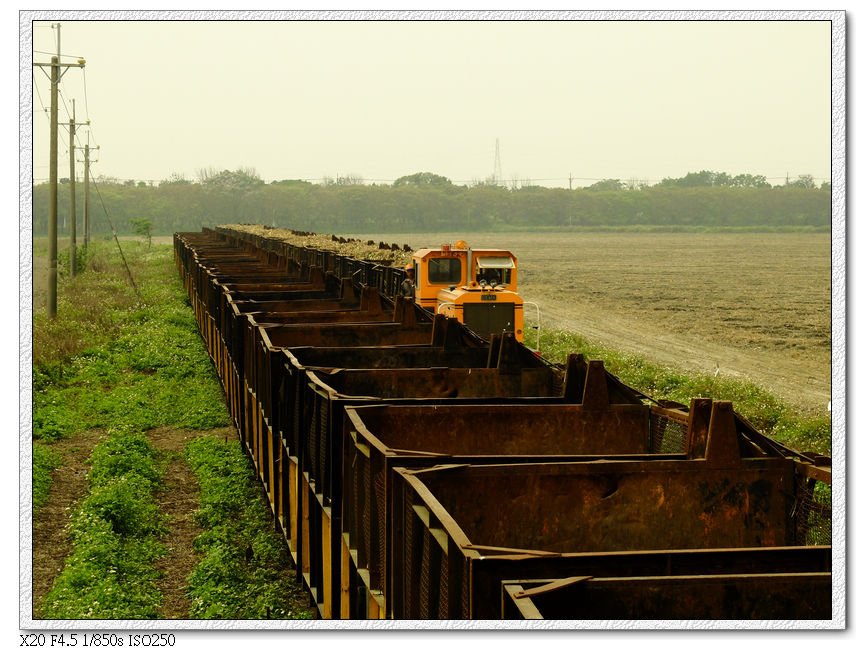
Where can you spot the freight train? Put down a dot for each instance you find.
(477, 287)
(419, 469)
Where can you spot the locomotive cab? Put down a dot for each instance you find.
(477, 287)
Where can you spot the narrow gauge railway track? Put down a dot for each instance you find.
(419, 471)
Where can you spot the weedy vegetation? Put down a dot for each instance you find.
(110, 357)
(116, 534)
(125, 360)
(761, 408)
(242, 573)
(45, 460)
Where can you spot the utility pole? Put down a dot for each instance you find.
(87, 191)
(73, 253)
(55, 66)
(52, 194)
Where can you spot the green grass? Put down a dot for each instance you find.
(45, 460)
(114, 361)
(116, 534)
(139, 364)
(109, 359)
(91, 308)
(769, 414)
(243, 572)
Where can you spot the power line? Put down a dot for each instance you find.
(86, 106)
(60, 90)
(117, 241)
(63, 98)
(39, 97)
(61, 56)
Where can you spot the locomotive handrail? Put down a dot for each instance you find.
(538, 326)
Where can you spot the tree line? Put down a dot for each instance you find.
(426, 202)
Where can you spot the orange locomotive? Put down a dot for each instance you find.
(478, 287)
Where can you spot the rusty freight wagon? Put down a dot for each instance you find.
(453, 547)
(380, 439)
(418, 469)
(316, 383)
(316, 443)
(271, 355)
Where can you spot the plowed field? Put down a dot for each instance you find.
(755, 306)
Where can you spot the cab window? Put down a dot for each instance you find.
(494, 276)
(445, 270)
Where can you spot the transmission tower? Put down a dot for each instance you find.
(497, 166)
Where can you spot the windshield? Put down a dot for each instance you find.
(445, 270)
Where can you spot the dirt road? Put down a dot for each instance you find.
(798, 382)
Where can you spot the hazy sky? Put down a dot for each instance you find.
(381, 99)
